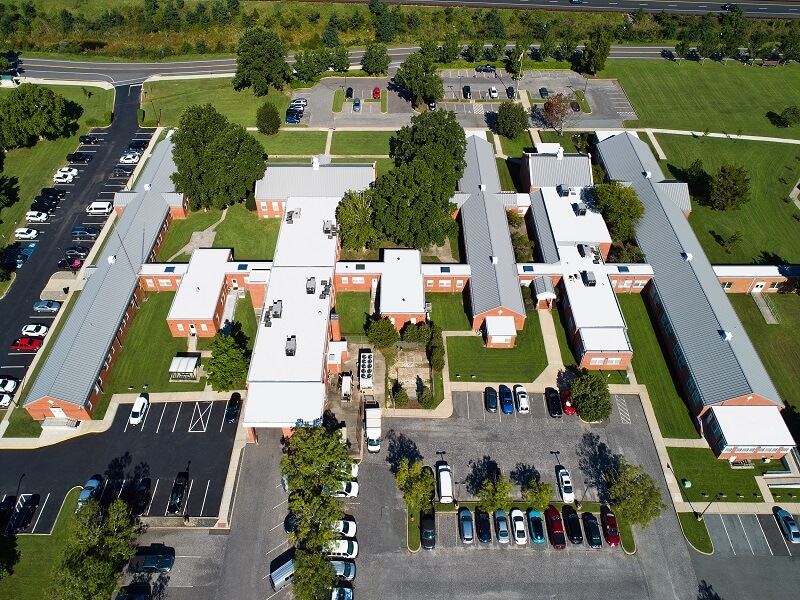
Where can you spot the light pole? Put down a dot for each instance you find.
(700, 516)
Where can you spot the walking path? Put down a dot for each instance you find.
(656, 145)
(766, 312)
(200, 239)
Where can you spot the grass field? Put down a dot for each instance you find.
(721, 98)
(353, 311)
(245, 316)
(38, 556)
(382, 165)
(696, 532)
(767, 223)
(27, 170)
(786, 494)
(250, 237)
(361, 142)
(180, 232)
(509, 173)
(651, 369)
(164, 101)
(306, 143)
(468, 357)
(513, 148)
(712, 477)
(447, 311)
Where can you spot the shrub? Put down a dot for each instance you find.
(268, 120)
(437, 358)
(400, 397)
(425, 397)
(381, 333)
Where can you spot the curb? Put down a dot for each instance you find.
(10, 283)
(693, 547)
(407, 544)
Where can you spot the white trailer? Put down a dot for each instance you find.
(372, 424)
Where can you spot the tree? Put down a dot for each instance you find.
(538, 494)
(375, 60)
(681, 49)
(557, 111)
(596, 51)
(732, 242)
(9, 553)
(429, 49)
(634, 495)
(590, 394)
(268, 120)
(227, 367)
(522, 247)
(340, 59)
(400, 397)
(790, 43)
(198, 126)
(629, 253)
(708, 45)
(29, 112)
(355, 218)
(261, 61)
(451, 47)
(425, 397)
(496, 49)
(620, 207)
(547, 46)
(569, 45)
(790, 116)
(475, 51)
(314, 576)
(495, 494)
(437, 358)
(330, 37)
(429, 134)
(729, 187)
(512, 119)
(386, 26)
(316, 460)
(310, 63)
(415, 483)
(418, 76)
(381, 333)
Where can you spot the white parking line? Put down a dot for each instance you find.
(122, 487)
(276, 526)
(146, 414)
(128, 422)
(161, 417)
(281, 504)
(203, 417)
(222, 422)
(180, 405)
(276, 593)
(41, 510)
(188, 494)
(783, 537)
(202, 506)
(467, 405)
(765, 536)
(745, 534)
(721, 520)
(275, 548)
(103, 493)
(152, 497)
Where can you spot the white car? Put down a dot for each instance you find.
(346, 528)
(347, 489)
(354, 471)
(63, 178)
(129, 159)
(565, 486)
(8, 385)
(35, 330)
(140, 406)
(523, 406)
(492, 92)
(5, 400)
(24, 233)
(300, 101)
(35, 216)
(342, 549)
(518, 527)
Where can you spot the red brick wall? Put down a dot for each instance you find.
(211, 327)
(345, 283)
(604, 248)
(745, 285)
(618, 281)
(400, 320)
(491, 343)
(180, 212)
(519, 320)
(266, 210)
(455, 283)
(161, 282)
(586, 360)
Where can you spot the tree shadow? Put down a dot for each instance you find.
(717, 237)
(9, 553)
(770, 258)
(400, 447)
(330, 421)
(9, 190)
(116, 469)
(699, 183)
(523, 475)
(705, 591)
(776, 119)
(480, 471)
(594, 459)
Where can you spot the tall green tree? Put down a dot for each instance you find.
(310, 63)
(494, 495)
(790, 43)
(729, 187)
(475, 51)
(330, 37)
(381, 333)
(418, 76)
(620, 207)
(538, 494)
(416, 483)
(790, 116)
(314, 576)
(497, 49)
(340, 59)
(268, 120)
(227, 367)
(547, 47)
(634, 495)
(596, 51)
(431, 132)
(30, 112)
(261, 61)
(197, 128)
(512, 119)
(375, 60)
(451, 47)
(569, 45)
(591, 396)
(355, 218)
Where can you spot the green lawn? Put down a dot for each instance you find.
(513, 148)
(338, 101)
(245, 316)
(147, 353)
(181, 230)
(509, 173)
(27, 170)
(361, 142)
(307, 143)
(250, 237)
(712, 477)
(382, 165)
(548, 136)
(651, 369)
(696, 532)
(714, 96)
(164, 101)
(567, 357)
(767, 223)
(467, 356)
(447, 311)
(38, 557)
(353, 311)
(786, 494)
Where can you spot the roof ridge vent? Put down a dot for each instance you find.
(687, 256)
(482, 187)
(494, 260)
(726, 335)
(648, 174)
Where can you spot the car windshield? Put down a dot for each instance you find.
(567, 488)
(537, 528)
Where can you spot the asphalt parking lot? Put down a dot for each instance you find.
(179, 436)
(319, 113)
(748, 535)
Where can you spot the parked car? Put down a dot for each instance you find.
(23, 513)
(501, 526)
(492, 92)
(485, 69)
(523, 406)
(427, 530)
(348, 489)
(47, 199)
(506, 400)
(178, 494)
(788, 526)
(26, 344)
(553, 403)
(35, 330)
(139, 410)
(25, 233)
(536, 526)
(565, 484)
(76, 252)
(79, 157)
(63, 178)
(154, 559)
(591, 530)
(89, 139)
(53, 192)
(490, 399)
(9, 384)
(5, 402)
(338, 593)
(46, 306)
(300, 101)
(91, 491)
(432, 104)
(129, 159)
(348, 94)
(577, 1)
(466, 529)
(70, 264)
(573, 525)
(555, 528)
(139, 144)
(36, 216)
(342, 549)
(141, 497)
(356, 104)
(43, 207)
(376, 93)
(344, 569)
(292, 119)
(345, 527)
(68, 171)
(566, 402)
(728, 6)
(467, 93)
(518, 527)
(484, 526)
(511, 92)
(85, 233)
(610, 529)
(544, 93)
(123, 171)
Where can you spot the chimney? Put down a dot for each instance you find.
(147, 186)
(315, 163)
(291, 345)
(482, 187)
(336, 330)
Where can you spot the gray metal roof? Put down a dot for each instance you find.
(546, 243)
(283, 180)
(73, 362)
(692, 297)
(548, 170)
(678, 192)
(543, 285)
(481, 169)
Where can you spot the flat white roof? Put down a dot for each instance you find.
(481, 133)
(604, 339)
(359, 268)
(198, 293)
(500, 326)
(283, 404)
(748, 271)
(752, 426)
(163, 268)
(402, 289)
(303, 242)
(592, 306)
(567, 226)
(548, 148)
(437, 269)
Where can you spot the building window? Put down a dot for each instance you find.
(263, 206)
(180, 326)
(626, 283)
(774, 285)
(716, 429)
(429, 282)
(149, 282)
(459, 282)
(746, 449)
(728, 449)
(203, 327)
(614, 361)
(276, 206)
(613, 283)
(345, 279)
(444, 283)
(444, 269)
(639, 284)
(770, 449)
(726, 285)
(501, 339)
(357, 280)
(413, 320)
(165, 282)
(597, 360)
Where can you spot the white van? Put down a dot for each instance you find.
(99, 209)
(444, 479)
(282, 576)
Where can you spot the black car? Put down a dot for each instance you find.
(141, 497)
(297, 111)
(728, 6)
(123, 171)
(544, 93)
(79, 157)
(348, 94)
(54, 192)
(572, 524)
(427, 532)
(139, 144)
(47, 199)
(467, 93)
(511, 93)
(431, 104)
(23, 515)
(45, 207)
(76, 252)
(6, 510)
(178, 494)
(85, 233)
(490, 398)
(553, 403)
(291, 522)
(592, 530)
(485, 69)
(89, 139)
(484, 526)
(234, 405)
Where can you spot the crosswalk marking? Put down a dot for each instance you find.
(622, 407)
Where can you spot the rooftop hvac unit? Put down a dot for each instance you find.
(327, 226)
(311, 285)
(365, 371)
(563, 190)
(267, 321)
(277, 309)
(289, 216)
(588, 278)
(579, 208)
(584, 250)
(291, 345)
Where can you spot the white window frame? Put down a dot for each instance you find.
(745, 449)
(614, 361)
(445, 283)
(179, 326)
(625, 283)
(597, 360)
(726, 285)
(165, 282)
(771, 449)
(358, 280)
(639, 283)
(345, 279)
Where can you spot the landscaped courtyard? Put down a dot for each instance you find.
(447, 311)
(353, 311)
(713, 478)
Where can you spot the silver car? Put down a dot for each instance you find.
(788, 526)
(465, 528)
(501, 526)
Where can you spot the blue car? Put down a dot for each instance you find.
(292, 119)
(506, 400)
(536, 525)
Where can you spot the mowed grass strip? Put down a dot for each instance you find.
(250, 237)
(180, 233)
(768, 225)
(513, 148)
(361, 142)
(650, 366)
(165, 101)
(468, 356)
(353, 311)
(695, 532)
(302, 143)
(719, 97)
(712, 477)
(447, 311)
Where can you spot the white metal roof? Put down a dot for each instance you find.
(604, 339)
(184, 364)
(567, 226)
(402, 289)
(752, 426)
(164, 268)
(503, 325)
(303, 242)
(283, 403)
(283, 180)
(198, 293)
(592, 306)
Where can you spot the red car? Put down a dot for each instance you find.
(70, 264)
(610, 529)
(566, 403)
(376, 93)
(27, 344)
(555, 528)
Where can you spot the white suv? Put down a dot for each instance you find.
(523, 407)
(565, 486)
(492, 92)
(342, 549)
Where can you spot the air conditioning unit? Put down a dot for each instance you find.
(311, 285)
(291, 345)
